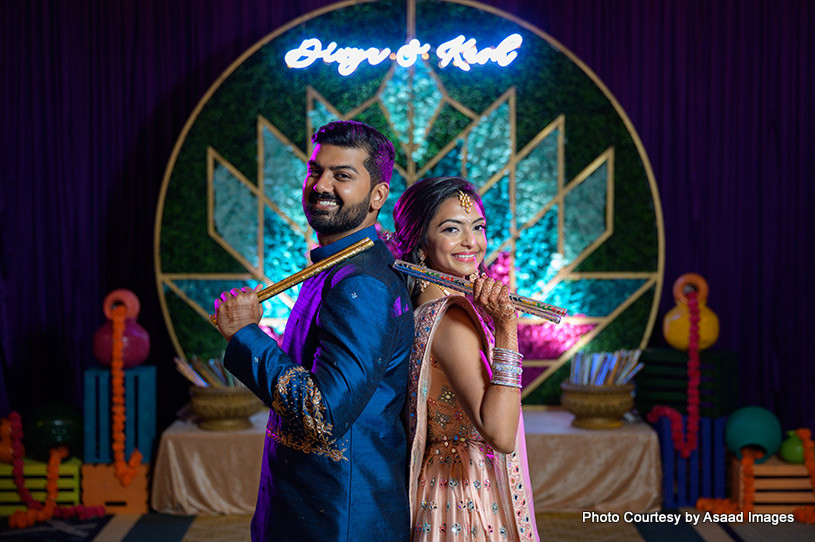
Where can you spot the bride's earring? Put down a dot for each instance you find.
(422, 283)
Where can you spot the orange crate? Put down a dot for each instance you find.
(100, 487)
(780, 486)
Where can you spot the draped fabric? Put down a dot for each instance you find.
(202, 472)
(95, 93)
(442, 475)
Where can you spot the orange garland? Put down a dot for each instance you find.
(36, 511)
(748, 477)
(806, 514)
(687, 443)
(26, 518)
(125, 470)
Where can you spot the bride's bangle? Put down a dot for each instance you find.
(506, 367)
(505, 354)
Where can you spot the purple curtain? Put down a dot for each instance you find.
(95, 93)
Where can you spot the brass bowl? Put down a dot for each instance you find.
(597, 407)
(224, 408)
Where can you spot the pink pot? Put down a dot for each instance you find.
(136, 340)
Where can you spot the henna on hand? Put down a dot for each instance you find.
(493, 296)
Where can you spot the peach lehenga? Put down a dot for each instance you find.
(460, 488)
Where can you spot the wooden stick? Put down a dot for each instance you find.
(283, 285)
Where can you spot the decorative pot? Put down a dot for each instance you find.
(225, 408)
(51, 425)
(597, 407)
(753, 426)
(136, 340)
(676, 324)
(792, 449)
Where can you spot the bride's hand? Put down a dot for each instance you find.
(493, 296)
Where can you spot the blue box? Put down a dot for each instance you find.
(140, 405)
(703, 474)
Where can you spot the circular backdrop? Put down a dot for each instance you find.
(461, 89)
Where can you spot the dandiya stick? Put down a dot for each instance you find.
(283, 285)
(206, 373)
(605, 367)
(185, 369)
(525, 304)
(632, 358)
(615, 360)
(630, 374)
(596, 360)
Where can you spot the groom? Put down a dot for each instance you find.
(334, 462)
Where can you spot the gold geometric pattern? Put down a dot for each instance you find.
(414, 171)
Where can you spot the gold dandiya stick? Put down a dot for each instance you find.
(313, 269)
(525, 304)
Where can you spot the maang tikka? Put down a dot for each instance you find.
(465, 201)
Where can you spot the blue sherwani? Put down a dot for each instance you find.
(335, 457)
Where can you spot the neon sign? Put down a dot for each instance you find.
(460, 52)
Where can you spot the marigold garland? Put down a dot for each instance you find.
(125, 471)
(36, 511)
(17, 454)
(748, 477)
(806, 514)
(686, 444)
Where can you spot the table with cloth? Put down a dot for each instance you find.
(576, 470)
(200, 472)
(571, 469)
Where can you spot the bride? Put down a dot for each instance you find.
(468, 467)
